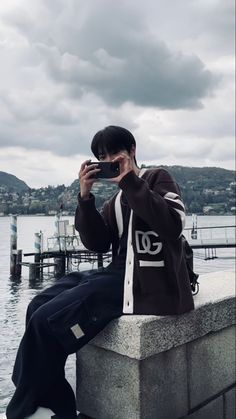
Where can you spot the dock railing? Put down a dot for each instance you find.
(215, 236)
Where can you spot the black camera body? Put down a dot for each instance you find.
(108, 170)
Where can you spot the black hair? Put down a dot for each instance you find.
(112, 139)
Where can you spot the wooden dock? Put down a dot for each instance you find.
(64, 251)
(63, 261)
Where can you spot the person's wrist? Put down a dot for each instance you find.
(84, 197)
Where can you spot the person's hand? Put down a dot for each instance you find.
(125, 164)
(87, 178)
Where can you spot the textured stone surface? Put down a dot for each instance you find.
(143, 336)
(107, 384)
(211, 365)
(112, 386)
(152, 367)
(163, 385)
(230, 404)
(213, 410)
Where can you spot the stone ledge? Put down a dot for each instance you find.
(214, 310)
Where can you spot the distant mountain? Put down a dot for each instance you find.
(205, 190)
(201, 177)
(211, 177)
(12, 182)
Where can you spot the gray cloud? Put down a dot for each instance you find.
(162, 69)
(115, 56)
(37, 121)
(151, 76)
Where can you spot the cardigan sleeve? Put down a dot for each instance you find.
(157, 202)
(92, 225)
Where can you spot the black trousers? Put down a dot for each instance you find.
(59, 321)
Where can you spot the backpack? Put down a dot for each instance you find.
(193, 277)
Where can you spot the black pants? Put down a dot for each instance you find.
(59, 321)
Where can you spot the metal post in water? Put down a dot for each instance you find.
(194, 226)
(60, 265)
(18, 263)
(57, 233)
(13, 245)
(32, 271)
(100, 260)
(37, 243)
(37, 255)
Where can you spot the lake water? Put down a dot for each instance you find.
(15, 295)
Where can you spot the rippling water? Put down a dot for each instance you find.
(15, 295)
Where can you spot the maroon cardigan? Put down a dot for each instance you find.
(156, 279)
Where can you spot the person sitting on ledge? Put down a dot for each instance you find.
(142, 224)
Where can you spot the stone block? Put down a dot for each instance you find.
(230, 404)
(111, 386)
(163, 385)
(211, 365)
(107, 384)
(215, 309)
(156, 367)
(213, 410)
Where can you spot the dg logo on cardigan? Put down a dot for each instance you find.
(145, 242)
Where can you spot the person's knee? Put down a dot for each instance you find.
(39, 319)
(32, 307)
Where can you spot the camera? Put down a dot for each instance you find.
(108, 170)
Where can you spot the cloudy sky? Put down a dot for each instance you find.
(162, 68)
